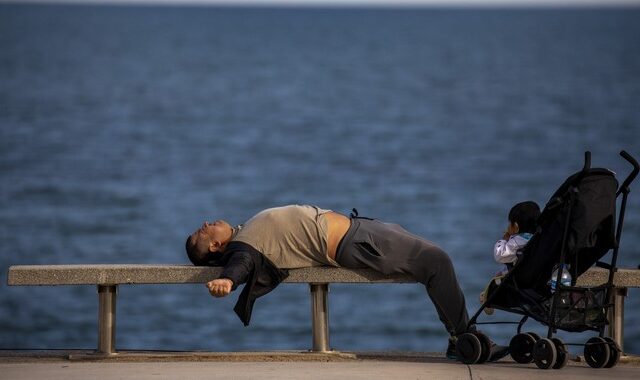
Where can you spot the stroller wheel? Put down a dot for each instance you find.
(562, 353)
(521, 348)
(485, 347)
(469, 348)
(615, 350)
(597, 352)
(544, 353)
(534, 335)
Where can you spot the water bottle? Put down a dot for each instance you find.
(565, 277)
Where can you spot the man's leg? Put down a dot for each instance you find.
(388, 248)
(433, 268)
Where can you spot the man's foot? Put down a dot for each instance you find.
(452, 352)
(497, 351)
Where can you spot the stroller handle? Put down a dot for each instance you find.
(634, 173)
(587, 162)
(585, 168)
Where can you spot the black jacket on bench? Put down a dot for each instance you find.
(245, 264)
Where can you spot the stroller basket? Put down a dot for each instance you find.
(580, 309)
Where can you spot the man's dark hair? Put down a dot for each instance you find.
(197, 257)
(526, 215)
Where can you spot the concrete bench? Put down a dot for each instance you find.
(108, 277)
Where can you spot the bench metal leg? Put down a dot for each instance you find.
(320, 317)
(616, 316)
(107, 319)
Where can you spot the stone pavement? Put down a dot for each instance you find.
(282, 365)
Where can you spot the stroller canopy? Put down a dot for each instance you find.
(587, 201)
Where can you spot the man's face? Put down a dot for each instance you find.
(213, 237)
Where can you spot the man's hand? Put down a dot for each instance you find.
(220, 287)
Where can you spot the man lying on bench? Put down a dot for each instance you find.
(260, 251)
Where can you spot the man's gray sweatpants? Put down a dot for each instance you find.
(389, 248)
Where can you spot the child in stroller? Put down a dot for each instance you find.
(523, 220)
(575, 230)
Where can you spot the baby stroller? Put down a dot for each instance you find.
(576, 229)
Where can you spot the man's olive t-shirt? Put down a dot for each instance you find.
(290, 236)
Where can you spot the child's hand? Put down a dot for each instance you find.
(512, 229)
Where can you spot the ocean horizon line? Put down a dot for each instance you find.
(381, 4)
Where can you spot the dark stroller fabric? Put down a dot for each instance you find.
(591, 229)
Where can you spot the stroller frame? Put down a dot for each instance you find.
(551, 352)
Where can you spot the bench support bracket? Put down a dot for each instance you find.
(616, 316)
(320, 317)
(107, 319)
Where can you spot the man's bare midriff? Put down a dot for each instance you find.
(337, 225)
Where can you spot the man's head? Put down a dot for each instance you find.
(209, 239)
(524, 216)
